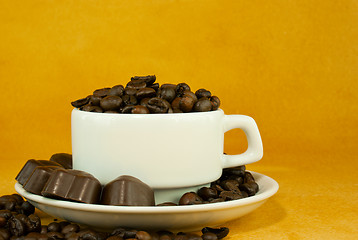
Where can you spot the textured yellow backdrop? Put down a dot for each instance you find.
(291, 65)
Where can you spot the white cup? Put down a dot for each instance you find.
(163, 150)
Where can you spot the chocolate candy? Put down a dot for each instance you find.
(38, 179)
(63, 159)
(72, 185)
(29, 167)
(127, 191)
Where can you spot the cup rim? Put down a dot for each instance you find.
(149, 114)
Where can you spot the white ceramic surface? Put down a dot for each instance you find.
(175, 218)
(163, 150)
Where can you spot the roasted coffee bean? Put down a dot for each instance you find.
(251, 188)
(219, 232)
(5, 233)
(5, 214)
(117, 90)
(33, 223)
(138, 109)
(3, 222)
(10, 205)
(181, 87)
(72, 227)
(55, 235)
(202, 105)
(248, 177)
(202, 93)
(230, 185)
(209, 236)
(215, 102)
(230, 195)
(94, 100)
(216, 200)
(145, 93)
(90, 108)
(238, 171)
(180, 237)
(167, 204)
(114, 238)
(136, 85)
(111, 103)
(190, 198)
(128, 109)
(149, 79)
(74, 236)
(175, 103)
(101, 92)
(111, 111)
(64, 224)
(118, 232)
(35, 236)
(43, 229)
(165, 234)
(80, 102)
(129, 100)
(142, 235)
(89, 235)
(167, 93)
(16, 226)
(191, 94)
(54, 227)
(130, 91)
(193, 236)
(186, 103)
(155, 86)
(158, 105)
(207, 193)
(217, 187)
(130, 233)
(18, 198)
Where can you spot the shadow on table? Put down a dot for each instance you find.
(268, 214)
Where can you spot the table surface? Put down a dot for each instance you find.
(317, 198)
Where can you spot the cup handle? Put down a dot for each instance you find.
(254, 150)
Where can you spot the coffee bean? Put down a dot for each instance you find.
(55, 235)
(248, 177)
(117, 90)
(130, 233)
(130, 91)
(54, 227)
(180, 237)
(191, 94)
(16, 226)
(175, 103)
(94, 100)
(202, 105)
(167, 93)
(230, 185)
(114, 238)
(89, 235)
(158, 105)
(90, 108)
(80, 102)
(101, 92)
(3, 222)
(181, 87)
(251, 188)
(239, 171)
(219, 232)
(202, 93)
(230, 195)
(193, 236)
(207, 193)
(70, 228)
(111, 103)
(129, 100)
(186, 103)
(209, 236)
(33, 223)
(18, 198)
(35, 236)
(149, 79)
(138, 109)
(155, 86)
(142, 235)
(43, 229)
(215, 102)
(136, 85)
(5, 214)
(190, 198)
(216, 200)
(128, 109)
(5, 233)
(145, 93)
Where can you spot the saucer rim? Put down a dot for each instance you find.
(267, 188)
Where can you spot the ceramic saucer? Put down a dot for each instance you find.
(175, 218)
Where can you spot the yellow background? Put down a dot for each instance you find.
(291, 65)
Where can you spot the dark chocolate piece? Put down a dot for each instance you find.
(72, 185)
(29, 167)
(127, 191)
(38, 179)
(63, 159)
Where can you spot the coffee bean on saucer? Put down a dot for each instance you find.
(209, 236)
(230, 185)
(207, 193)
(230, 195)
(250, 187)
(248, 177)
(190, 198)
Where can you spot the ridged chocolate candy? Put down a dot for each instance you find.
(29, 167)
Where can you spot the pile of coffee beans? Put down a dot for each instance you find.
(18, 222)
(142, 95)
(234, 183)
